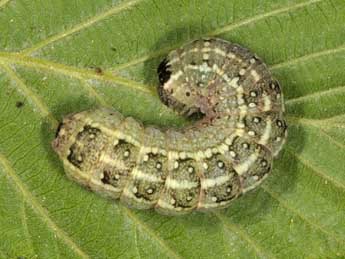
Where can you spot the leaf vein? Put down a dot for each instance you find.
(316, 95)
(27, 92)
(326, 123)
(10, 58)
(171, 253)
(26, 228)
(217, 32)
(316, 125)
(284, 204)
(136, 242)
(40, 210)
(318, 172)
(81, 26)
(243, 235)
(308, 57)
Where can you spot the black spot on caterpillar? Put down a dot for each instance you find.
(175, 171)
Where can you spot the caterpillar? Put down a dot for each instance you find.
(226, 152)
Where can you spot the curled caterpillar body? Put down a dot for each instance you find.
(202, 167)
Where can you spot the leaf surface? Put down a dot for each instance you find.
(50, 52)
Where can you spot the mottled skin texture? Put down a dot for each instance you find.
(202, 167)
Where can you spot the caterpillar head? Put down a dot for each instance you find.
(65, 131)
(175, 91)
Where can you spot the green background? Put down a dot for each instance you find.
(49, 54)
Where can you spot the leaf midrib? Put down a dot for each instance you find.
(79, 73)
(3, 3)
(83, 74)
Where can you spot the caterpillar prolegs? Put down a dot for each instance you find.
(201, 167)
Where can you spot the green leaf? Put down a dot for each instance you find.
(49, 52)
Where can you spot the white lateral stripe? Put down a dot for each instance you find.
(211, 182)
(226, 78)
(243, 110)
(213, 205)
(106, 130)
(193, 67)
(173, 78)
(206, 49)
(255, 75)
(217, 70)
(138, 174)
(184, 184)
(267, 133)
(177, 75)
(242, 168)
(115, 134)
(173, 61)
(166, 205)
(220, 52)
(194, 50)
(107, 187)
(255, 184)
(239, 92)
(231, 55)
(127, 193)
(112, 162)
(233, 82)
(215, 50)
(205, 68)
(239, 132)
(267, 103)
